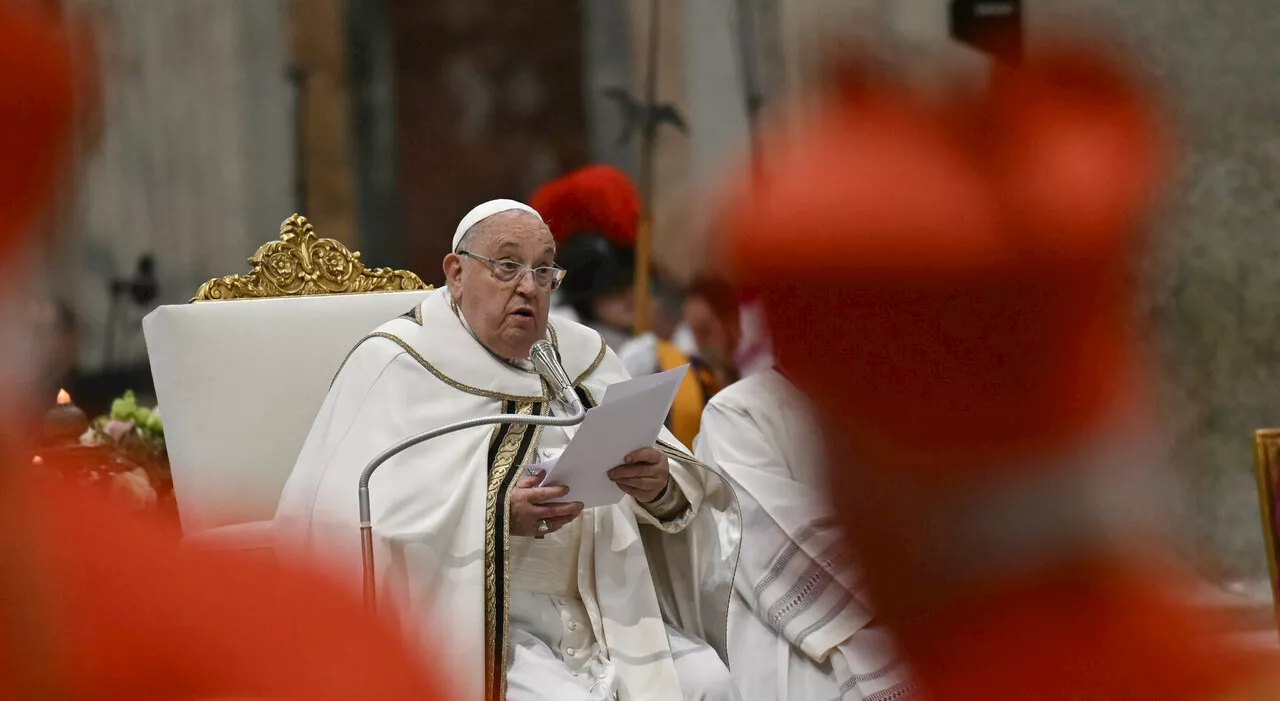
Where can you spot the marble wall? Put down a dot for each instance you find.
(1215, 266)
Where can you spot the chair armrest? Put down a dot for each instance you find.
(239, 537)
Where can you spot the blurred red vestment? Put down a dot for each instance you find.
(958, 302)
(97, 603)
(103, 603)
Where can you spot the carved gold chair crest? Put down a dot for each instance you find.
(1266, 467)
(300, 263)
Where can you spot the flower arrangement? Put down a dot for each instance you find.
(129, 422)
(123, 451)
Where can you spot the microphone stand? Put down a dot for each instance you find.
(366, 522)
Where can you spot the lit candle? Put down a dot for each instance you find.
(64, 423)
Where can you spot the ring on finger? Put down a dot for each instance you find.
(543, 526)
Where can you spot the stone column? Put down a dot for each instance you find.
(607, 62)
(319, 54)
(194, 162)
(704, 75)
(671, 157)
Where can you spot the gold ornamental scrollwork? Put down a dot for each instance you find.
(301, 263)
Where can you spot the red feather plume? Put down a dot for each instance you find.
(596, 199)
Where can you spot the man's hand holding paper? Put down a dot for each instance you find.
(613, 451)
(643, 474)
(532, 505)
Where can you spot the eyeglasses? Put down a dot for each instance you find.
(546, 277)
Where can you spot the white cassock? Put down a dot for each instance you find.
(615, 339)
(613, 606)
(754, 352)
(798, 630)
(640, 354)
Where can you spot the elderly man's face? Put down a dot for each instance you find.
(508, 317)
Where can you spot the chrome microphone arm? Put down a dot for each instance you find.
(545, 359)
(366, 524)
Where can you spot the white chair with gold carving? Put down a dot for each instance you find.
(241, 371)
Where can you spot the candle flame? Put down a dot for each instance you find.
(64, 397)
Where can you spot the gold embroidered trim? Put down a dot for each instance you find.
(417, 313)
(594, 364)
(449, 380)
(350, 353)
(503, 462)
(453, 307)
(404, 345)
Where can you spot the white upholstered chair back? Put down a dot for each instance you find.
(239, 381)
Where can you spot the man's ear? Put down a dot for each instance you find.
(453, 273)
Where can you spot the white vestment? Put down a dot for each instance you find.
(798, 630)
(640, 354)
(444, 554)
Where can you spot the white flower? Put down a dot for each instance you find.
(91, 438)
(117, 429)
(134, 487)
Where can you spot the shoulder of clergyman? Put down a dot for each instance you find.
(743, 395)
(582, 349)
(381, 346)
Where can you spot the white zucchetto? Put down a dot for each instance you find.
(486, 210)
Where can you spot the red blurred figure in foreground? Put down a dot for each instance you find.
(959, 306)
(96, 604)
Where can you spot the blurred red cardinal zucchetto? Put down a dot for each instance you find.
(951, 281)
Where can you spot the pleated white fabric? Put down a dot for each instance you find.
(799, 629)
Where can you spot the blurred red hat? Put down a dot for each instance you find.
(955, 278)
(951, 284)
(36, 114)
(596, 199)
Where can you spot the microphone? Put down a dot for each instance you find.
(543, 355)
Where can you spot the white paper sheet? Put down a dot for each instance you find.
(630, 417)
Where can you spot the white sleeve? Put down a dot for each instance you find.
(777, 555)
(640, 355)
